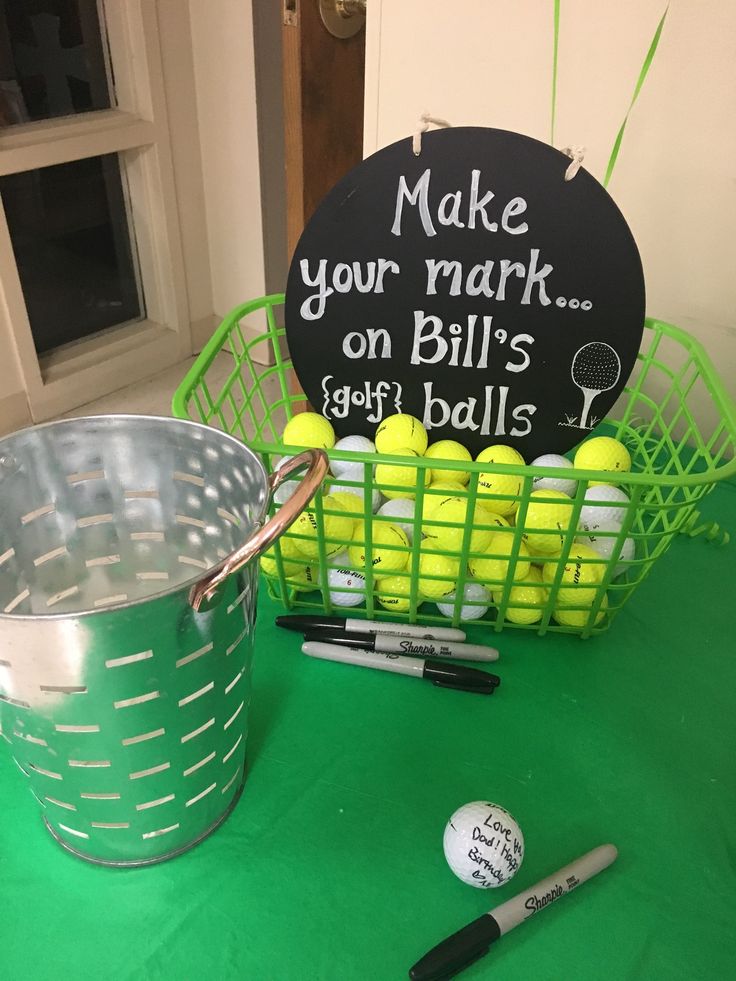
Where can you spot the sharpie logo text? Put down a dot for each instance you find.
(535, 903)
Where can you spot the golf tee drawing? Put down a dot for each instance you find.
(596, 368)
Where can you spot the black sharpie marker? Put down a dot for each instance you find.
(411, 646)
(438, 672)
(352, 625)
(473, 941)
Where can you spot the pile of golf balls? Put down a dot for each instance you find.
(498, 559)
(483, 844)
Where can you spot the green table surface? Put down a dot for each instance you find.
(331, 866)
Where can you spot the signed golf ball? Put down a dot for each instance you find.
(483, 844)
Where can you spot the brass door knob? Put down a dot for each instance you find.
(342, 18)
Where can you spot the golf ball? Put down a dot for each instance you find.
(483, 844)
(309, 429)
(400, 431)
(604, 510)
(356, 475)
(606, 547)
(563, 484)
(286, 490)
(347, 587)
(350, 444)
(400, 508)
(603, 453)
(476, 600)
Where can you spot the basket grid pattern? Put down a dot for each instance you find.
(676, 460)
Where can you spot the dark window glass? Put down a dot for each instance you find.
(52, 60)
(72, 242)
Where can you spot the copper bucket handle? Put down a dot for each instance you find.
(262, 539)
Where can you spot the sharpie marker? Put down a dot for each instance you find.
(438, 672)
(354, 626)
(473, 941)
(413, 646)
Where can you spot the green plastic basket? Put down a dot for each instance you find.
(676, 460)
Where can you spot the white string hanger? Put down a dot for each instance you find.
(425, 120)
(577, 153)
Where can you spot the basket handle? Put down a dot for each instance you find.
(262, 539)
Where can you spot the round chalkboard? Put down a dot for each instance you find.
(471, 286)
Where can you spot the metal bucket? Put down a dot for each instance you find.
(128, 581)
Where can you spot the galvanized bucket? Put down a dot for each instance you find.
(128, 582)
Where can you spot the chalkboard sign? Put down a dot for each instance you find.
(471, 286)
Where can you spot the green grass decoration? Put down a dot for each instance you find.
(639, 82)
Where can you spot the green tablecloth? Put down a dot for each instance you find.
(331, 866)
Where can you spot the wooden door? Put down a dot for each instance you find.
(323, 111)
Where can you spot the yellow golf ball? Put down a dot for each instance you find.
(441, 566)
(526, 601)
(291, 558)
(449, 449)
(384, 561)
(495, 566)
(450, 538)
(338, 529)
(351, 502)
(576, 572)
(603, 453)
(398, 431)
(578, 618)
(309, 429)
(400, 480)
(496, 491)
(432, 500)
(393, 594)
(548, 511)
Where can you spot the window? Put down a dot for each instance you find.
(90, 266)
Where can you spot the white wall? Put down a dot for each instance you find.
(222, 41)
(488, 62)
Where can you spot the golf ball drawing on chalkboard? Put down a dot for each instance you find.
(596, 368)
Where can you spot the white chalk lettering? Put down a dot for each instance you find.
(536, 278)
(516, 206)
(493, 412)
(306, 310)
(479, 279)
(507, 268)
(441, 267)
(344, 276)
(515, 345)
(479, 206)
(520, 414)
(453, 218)
(420, 196)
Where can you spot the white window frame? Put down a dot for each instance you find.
(137, 130)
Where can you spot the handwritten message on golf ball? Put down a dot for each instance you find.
(483, 844)
(471, 286)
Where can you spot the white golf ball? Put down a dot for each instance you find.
(554, 483)
(350, 444)
(356, 472)
(400, 507)
(605, 547)
(483, 844)
(286, 490)
(601, 513)
(474, 593)
(341, 577)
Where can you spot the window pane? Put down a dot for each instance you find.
(52, 60)
(72, 242)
